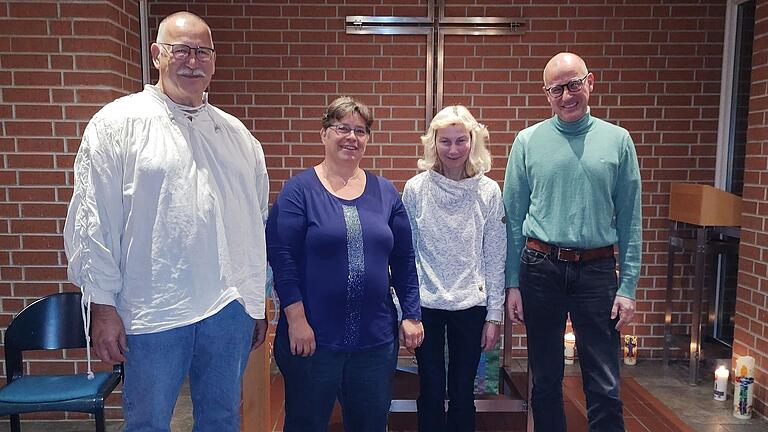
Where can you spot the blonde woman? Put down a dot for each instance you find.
(459, 237)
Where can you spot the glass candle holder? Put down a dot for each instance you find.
(630, 349)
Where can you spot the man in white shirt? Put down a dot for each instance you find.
(165, 237)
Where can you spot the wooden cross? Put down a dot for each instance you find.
(435, 30)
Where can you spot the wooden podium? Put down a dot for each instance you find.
(703, 205)
(715, 216)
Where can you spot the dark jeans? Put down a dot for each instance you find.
(362, 381)
(551, 289)
(464, 329)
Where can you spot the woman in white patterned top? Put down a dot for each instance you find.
(459, 237)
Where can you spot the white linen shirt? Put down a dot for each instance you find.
(460, 241)
(166, 221)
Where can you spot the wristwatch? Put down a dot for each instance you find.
(497, 322)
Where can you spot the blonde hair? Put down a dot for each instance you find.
(479, 160)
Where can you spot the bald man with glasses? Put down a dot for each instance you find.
(572, 194)
(165, 237)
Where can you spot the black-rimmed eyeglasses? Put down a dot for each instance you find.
(343, 129)
(573, 86)
(181, 51)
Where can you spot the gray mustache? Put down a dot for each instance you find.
(193, 72)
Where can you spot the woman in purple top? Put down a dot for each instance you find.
(337, 239)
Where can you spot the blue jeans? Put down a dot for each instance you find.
(361, 380)
(551, 289)
(464, 329)
(213, 352)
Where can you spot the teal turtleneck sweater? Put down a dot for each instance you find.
(575, 185)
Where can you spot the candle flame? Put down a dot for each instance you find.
(722, 372)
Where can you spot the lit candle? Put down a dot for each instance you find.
(721, 383)
(630, 349)
(570, 345)
(744, 387)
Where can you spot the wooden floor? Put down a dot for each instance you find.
(642, 412)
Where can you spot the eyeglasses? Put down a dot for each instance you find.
(574, 86)
(181, 52)
(343, 129)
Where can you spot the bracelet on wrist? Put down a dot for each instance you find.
(497, 322)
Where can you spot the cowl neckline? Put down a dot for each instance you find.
(447, 192)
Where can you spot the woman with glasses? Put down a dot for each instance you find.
(337, 238)
(456, 215)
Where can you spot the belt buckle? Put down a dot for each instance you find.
(577, 253)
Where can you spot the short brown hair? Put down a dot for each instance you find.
(343, 106)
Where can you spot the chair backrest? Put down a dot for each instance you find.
(52, 322)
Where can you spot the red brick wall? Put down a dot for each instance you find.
(751, 334)
(657, 66)
(59, 63)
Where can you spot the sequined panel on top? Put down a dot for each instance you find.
(355, 274)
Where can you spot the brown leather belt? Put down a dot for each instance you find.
(569, 254)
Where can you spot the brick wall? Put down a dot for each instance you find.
(59, 63)
(751, 334)
(657, 67)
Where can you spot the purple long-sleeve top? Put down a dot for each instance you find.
(340, 257)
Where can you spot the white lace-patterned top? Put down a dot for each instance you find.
(460, 241)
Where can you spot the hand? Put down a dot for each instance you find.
(300, 333)
(490, 335)
(624, 308)
(108, 333)
(259, 333)
(411, 334)
(514, 305)
(302, 338)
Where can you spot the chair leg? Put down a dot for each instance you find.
(15, 423)
(100, 423)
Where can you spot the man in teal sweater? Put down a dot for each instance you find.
(572, 192)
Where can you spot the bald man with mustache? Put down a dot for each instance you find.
(165, 237)
(572, 194)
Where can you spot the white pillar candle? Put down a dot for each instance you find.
(570, 347)
(721, 383)
(744, 387)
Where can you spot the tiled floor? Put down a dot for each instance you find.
(657, 399)
(694, 405)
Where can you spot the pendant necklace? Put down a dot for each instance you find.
(327, 172)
